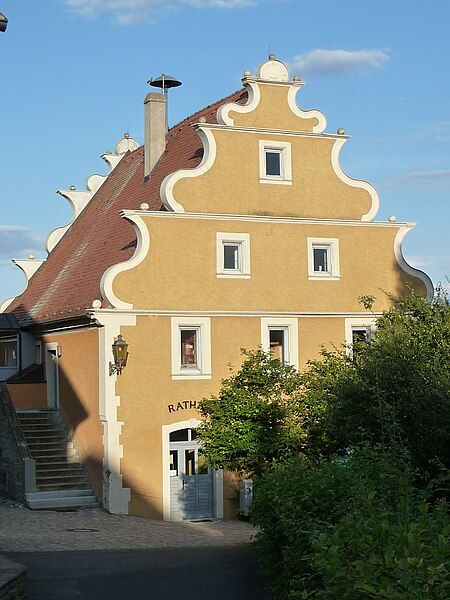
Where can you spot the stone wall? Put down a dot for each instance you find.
(12, 580)
(13, 451)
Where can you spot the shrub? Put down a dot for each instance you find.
(254, 419)
(396, 391)
(351, 528)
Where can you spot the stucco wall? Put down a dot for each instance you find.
(273, 111)
(146, 389)
(78, 396)
(232, 184)
(28, 395)
(179, 272)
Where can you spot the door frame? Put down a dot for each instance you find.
(217, 475)
(52, 398)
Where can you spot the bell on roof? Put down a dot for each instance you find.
(164, 82)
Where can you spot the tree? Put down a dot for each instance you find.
(255, 418)
(394, 391)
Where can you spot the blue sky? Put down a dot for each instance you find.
(74, 72)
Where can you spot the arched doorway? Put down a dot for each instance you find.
(191, 491)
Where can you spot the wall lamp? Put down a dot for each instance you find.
(120, 353)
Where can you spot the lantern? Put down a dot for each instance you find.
(120, 353)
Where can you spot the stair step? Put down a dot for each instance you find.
(73, 503)
(58, 494)
(50, 442)
(41, 479)
(68, 485)
(54, 454)
(42, 466)
(69, 499)
(56, 467)
(57, 459)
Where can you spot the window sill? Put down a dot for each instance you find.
(275, 181)
(231, 275)
(327, 277)
(194, 375)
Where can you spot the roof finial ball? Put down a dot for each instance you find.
(341, 131)
(297, 78)
(73, 188)
(247, 73)
(126, 135)
(272, 57)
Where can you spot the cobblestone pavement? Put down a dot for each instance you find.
(25, 530)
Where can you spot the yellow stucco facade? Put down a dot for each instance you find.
(305, 247)
(175, 275)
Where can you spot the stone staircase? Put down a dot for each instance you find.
(61, 479)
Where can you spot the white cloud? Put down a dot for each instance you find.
(126, 12)
(18, 242)
(439, 178)
(339, 62)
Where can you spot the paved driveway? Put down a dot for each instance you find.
(216, 573)
(90, 554)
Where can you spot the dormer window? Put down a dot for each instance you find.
(275, 162)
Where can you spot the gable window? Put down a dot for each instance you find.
(275, 162)
(191, 348)
(8, 352)
(233, 255)
(279, 337)
(323, 258)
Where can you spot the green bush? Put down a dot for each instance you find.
(253, 421)
(351, 528)
(396, 390)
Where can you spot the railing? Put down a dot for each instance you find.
(7, 409)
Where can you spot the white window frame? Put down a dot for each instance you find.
(291, 327)
(333, 244)
(203, 325)
(243, 240)
(354, 323)
(285, 162)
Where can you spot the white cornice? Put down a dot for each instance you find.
(306, 114)
(143, 245)
(265, 219)
(209, 155)
(254, 97)
(265, 131)
(357, 183)
(407, 267)
(96, 313)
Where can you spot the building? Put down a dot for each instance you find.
(237, 228)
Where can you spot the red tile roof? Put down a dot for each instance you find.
(69, 280)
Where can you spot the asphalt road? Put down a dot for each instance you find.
(215, 573)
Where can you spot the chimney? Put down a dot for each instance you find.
(155, 123)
